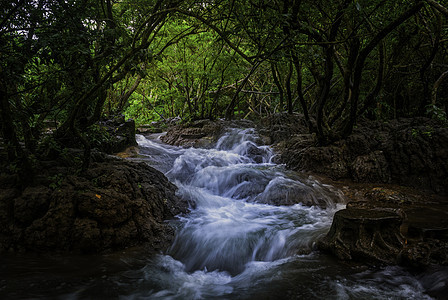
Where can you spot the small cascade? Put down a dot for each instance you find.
(249, 235)
(245, 209)
(251, 228)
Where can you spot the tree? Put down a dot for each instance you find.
(60, 57)
(334, 61)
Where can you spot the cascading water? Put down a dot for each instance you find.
(251, 224)
(228, 228)
(249, 235)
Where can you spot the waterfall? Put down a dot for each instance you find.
(249, 235)
(246, 212)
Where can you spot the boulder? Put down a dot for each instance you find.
(202, 133)
(410, 152)
(365, 235)
(114, 205)
(282, 126)
(390, 226)
(121, 135)
(372, 167)
(198, 134)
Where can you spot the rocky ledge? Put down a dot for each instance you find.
(202, 133)
(390, 226)
(409, 152)
(114, 205)
(383, 223)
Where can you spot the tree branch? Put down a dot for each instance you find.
(218, 31)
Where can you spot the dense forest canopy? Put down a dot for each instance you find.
(70, 63)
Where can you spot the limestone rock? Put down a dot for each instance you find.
(201, 133)
(365, 234)
(411, 152)
(116, 204)
(371, 167)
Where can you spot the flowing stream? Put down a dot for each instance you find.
(250, 235)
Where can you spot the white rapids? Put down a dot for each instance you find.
(251, 224)
(250, 234)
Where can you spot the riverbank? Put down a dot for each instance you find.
(244, 238)
(393, 175)
(118, 203)
(113, 205)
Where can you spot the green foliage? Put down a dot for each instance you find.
(424, 133)
(98, 135)
(55, 181)
(437, 114)
(49, 147)
(74, 61)
(143, 110)
(59, 58)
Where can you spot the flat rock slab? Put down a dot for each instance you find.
(427, 222)
(365, 215)
(365, 234)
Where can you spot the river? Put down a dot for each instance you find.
(250, 234)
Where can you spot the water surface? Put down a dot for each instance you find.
(250, 234)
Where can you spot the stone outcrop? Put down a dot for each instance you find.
(387, 226)
(200, 134)
(280, 127)
(379, 224)
(365, 234)
(115, 204)
(411, 152)
(121, 134)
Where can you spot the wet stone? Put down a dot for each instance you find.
(114, 205)
(365, 234)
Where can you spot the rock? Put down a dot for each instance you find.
(371, 167)
(203, 133)
(365, 235)
(285, 192)
(426, 231)
(322, 160)
(282, 126)
(423, 254)
(121, 135)
(116, 204)
(411, 152)
(129, 152)
(32, 204)
(87, 234)
(418, 156)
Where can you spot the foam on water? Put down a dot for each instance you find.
(234, 244)
(234, 239)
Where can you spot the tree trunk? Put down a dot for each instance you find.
(323, 95)
(423, 77)
(14, 149)
(370, 99)
(348, 81)
(348, 128)
(277, 83)
(436, 87)
(300, 93)
(233, 102)
(125, 97)
(288, 88)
